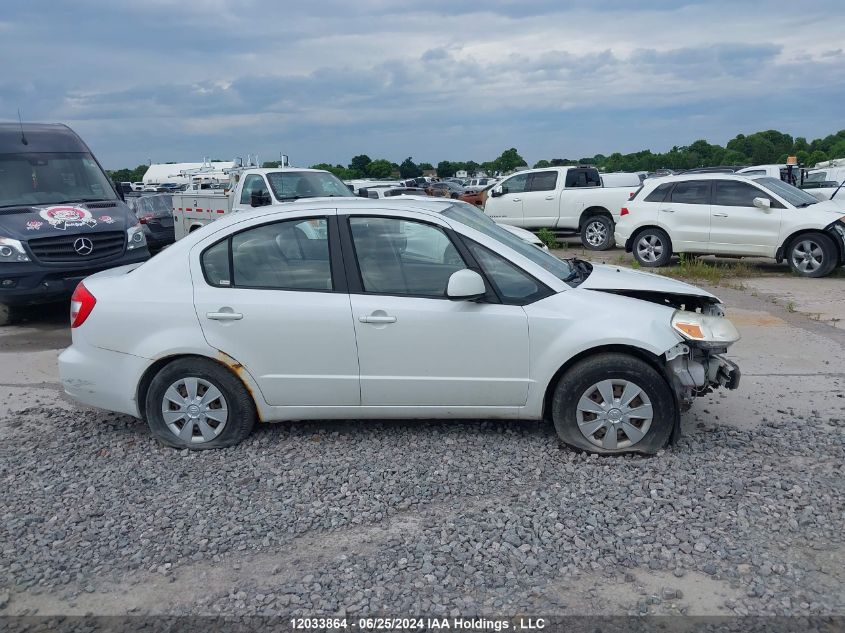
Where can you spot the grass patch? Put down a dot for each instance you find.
(714, 273)
(549, 239)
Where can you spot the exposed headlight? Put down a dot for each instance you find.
(12, 251)
(711, 331)
(135, 237)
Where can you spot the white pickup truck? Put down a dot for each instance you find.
(566, 200)
(252, 188)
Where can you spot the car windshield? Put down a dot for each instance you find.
(793, 195)
(291, 185)
(476, 219)
(157, 206)
(51, 178)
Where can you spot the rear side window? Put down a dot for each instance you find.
(691, 192)
(543, 181)
(659, 193)
(291, 255)
(583, 178)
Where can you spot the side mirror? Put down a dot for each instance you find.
(465, 285)
(762, 203)
(259, 199)
(497, 191)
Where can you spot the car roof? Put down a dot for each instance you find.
(698, 176)
(40, 137)
(271, 170)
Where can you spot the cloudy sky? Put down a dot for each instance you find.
(327, 79)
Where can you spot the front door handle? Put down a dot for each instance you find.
(668, 210)
(550, 197)
(720, 215)
(517, 199)
(224, 316)
(377, 319)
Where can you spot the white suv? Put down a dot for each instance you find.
(727, 214)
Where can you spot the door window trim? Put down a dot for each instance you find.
(336, 265)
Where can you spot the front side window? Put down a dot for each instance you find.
(732, 193)
(51, 178)
(691, 192)
(543, 181)
(515, 184)
(290, 255)
(405, 257)
(512, 284)
(793, 195)
(293, 185)
(254, 183)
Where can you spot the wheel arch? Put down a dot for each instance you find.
(780, 254)
(637, 352)
(591, 211)
(224, 361)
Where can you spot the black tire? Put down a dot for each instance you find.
(597, 233)
(7, 314)
(239, 403)
(812, 249)
(658, 240)
(582, 376)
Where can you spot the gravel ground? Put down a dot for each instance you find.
(434, 518)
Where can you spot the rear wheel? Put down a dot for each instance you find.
(597, 233)
(196, 403)
(613, 403)
(812, 255)
(652, 247)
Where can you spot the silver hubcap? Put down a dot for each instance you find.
(807, 256)
(194, 410)
(614, 414)
(649, 248)
(596, 233)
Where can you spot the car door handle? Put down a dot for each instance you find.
(720, 215)
(224, 316)
(550, 197)
(668, 210)
(377, 319)
(517, 199)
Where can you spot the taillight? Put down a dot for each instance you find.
(624, 211)
(145, 218)
(81, 304)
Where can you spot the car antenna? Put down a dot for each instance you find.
(23, 136)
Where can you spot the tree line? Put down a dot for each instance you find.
(759, 148)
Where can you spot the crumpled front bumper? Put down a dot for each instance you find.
(695, 372)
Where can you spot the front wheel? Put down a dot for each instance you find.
(597, 233)
(812, 255)
(198, 404)
(613, 403)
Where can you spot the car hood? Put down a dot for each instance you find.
(523, 234)
(834, 206)
(631, 282)
(28, 222)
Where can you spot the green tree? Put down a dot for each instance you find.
(426, 166)
(541, 164)
(509, 160)
(471, 166)
(817, 156)
(379, 168)
(409, 169)
(446, 169)
(359, 163)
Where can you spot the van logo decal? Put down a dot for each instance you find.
(83, 246)
(107, 219)
(63, 217)
(34, 225)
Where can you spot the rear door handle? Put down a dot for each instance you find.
(517, 199)
(377, 319)
(550, 197)
(668, 210)
(224, 316)
(720, 215)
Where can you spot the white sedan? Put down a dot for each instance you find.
(332, 309)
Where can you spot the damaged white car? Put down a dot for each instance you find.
(362, 309)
